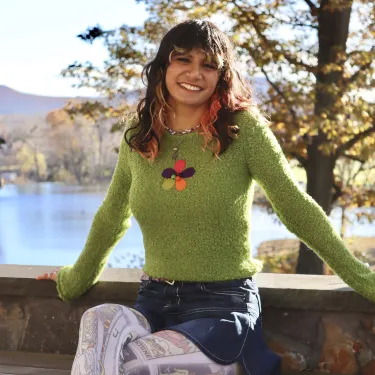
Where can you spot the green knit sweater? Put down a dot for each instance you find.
(202, 233)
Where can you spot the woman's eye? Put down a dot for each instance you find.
(183, 59)
(209, 66)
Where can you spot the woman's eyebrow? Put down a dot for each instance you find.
(203, 57)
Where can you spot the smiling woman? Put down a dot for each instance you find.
(198, 308)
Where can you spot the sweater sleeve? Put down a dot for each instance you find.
(109, 225)
(296, 209)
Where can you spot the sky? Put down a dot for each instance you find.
(38, 38)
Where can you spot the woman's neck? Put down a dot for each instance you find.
(184, 117)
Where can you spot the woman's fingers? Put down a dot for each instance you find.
(42, 277)
(53, 275)
(49, 275)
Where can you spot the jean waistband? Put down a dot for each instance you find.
(146, 277)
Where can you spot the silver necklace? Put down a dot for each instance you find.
(181, 132)
(175, 149)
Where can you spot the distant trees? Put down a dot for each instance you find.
(56, 148)
(33, 163)
(2, 137)
(83, 147)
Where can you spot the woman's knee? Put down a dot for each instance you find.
(107, 311)
(101, 309)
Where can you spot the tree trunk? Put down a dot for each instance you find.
(343, 223)
(36, 163)
(332, 35)
(320, 176)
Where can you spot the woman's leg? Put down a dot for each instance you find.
(104, 331)
(168, 353)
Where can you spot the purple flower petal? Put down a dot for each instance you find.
(167, 173)
(188, 172)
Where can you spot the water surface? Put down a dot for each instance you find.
(47, 224)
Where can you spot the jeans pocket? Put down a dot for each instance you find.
(225, 296)
(224, 291)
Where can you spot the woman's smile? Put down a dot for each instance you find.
(190, 88)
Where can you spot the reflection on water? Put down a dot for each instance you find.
(47, 224)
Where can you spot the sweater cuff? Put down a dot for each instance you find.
(60, 285)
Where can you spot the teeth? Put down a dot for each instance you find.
(190, 87)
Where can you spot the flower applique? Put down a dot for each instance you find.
(176, 175)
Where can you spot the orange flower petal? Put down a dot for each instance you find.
(180, 184)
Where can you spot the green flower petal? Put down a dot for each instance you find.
(168, 184)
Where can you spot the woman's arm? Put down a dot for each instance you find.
(109, 225)
(296, 209)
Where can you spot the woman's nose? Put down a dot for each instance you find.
(194, 71)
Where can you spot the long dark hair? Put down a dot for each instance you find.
(231, 94)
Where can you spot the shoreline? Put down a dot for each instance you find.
(284, 246)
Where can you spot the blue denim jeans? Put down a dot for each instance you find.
(222, 318)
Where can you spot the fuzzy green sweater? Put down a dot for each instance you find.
(202, 233)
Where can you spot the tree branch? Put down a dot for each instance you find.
(290, 23)
(352, 157)
(360, 169)
(277, 89)
(288, 57)
(361, 70)
(312, 6)
(348, 145)
(299, 158)
(338, 192)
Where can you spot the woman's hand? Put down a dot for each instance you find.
(49, 275)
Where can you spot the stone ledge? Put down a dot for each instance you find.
(306, 292)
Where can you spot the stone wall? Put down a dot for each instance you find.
(316, 323)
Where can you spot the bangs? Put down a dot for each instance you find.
(198, 35)
(217, 60)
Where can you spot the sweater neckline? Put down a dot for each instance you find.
(167, 134)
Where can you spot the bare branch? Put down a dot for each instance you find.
(360, 169)
(361, 70)
(338, 192)
(312, 6)
(306, 25)
(299, 158)
(291, 59)
(353, 157)
(277, 89)
(286, 22)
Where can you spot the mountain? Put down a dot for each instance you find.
(13, 102)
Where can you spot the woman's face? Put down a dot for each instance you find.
(191, 79)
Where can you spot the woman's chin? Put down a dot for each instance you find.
(189, 102)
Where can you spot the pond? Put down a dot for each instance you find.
(47, 224)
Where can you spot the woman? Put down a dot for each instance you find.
(198, 145)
